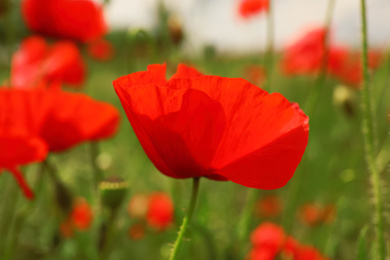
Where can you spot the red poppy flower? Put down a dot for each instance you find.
(101, 50)
(307, 253)
(249, 8)
(81, 214)
(77, 118)
(255, 74)
(37, 62)
(351, 71)
(80, 218)
(260, 253)
(270, 206)
(192, 126)
(160, 211)
(21, 117)
(305, 55)
(80, 20)
(310, 214)
(269, 236)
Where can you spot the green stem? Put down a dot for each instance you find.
(187, 218)
(7, 212)
(107, 235)
(270, 46)
(369, 144)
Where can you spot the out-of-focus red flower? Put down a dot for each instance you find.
(306, 54)
(269, 242)
(160, 211)
(307, 253)
(268, 236)
(310, 214)
(137, 231)
(82, 214)
(351, 71)
(290, 247)
(313, 214)
(222, 128)
(21, 117)
(138, 206)
(248, 8)
(76, 118)
(259, 253)
(80, 20)
(37, 62)
(255, 74)
(270, 206)
(101, 50)
(80, 218)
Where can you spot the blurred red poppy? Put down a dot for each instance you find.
(255, 74)
(77, 118)
(351, 71)
(269, 206)
(37, 62)
(306, 54)
(160, 211)
(21, 117)
(313, 214)
(222, 128)
(80, 218)
(80, 20)
(270, 242)
(268, 235)
(249, 8)
(101, 50)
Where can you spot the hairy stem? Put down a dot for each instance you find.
(369, 144)
(187, 218)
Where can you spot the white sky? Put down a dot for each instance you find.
(216, 21)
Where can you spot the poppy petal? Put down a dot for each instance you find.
(173, 127)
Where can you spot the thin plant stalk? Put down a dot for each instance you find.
(315, 94)
(270, 46)
(369, 144)
(187, 218)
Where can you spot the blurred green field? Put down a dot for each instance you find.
(332, 171)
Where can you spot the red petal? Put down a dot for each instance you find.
(79, 20)
(184, 71)
(73, 120)
(173, 127)
(265, 136)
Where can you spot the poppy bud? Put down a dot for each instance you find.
(175, 29)
(113, 191)
(345, 98)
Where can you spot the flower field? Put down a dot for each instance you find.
(118, 144)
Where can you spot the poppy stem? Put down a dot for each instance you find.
(187, 218)
(369, 144)
(269, 47)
